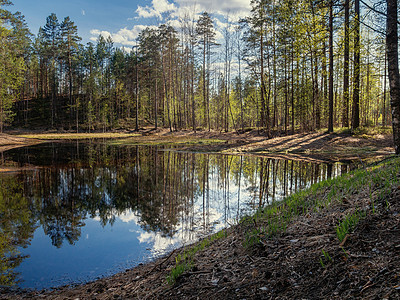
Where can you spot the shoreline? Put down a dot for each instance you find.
(315, 146)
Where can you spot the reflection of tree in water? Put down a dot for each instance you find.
(166, 190)
(16, 227)
(59, 208)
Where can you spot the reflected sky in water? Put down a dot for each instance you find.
(74, 212)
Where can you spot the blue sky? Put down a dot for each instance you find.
(123, 19)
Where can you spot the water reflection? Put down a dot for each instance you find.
(126, 204)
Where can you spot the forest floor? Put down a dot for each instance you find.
(306, 260)
(8, 141)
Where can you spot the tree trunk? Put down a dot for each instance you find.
(345, 112)
(384, 92)
(356, 91)
(262, 119)
(137, 95)
(393, 69)
(330, 121)
(292, 88)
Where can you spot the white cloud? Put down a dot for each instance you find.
(234, 8)
(156, 10)
(96, 33)
(163, 6)
(124, 36)
(178, 11)
(147, 12)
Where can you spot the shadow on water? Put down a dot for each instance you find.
(126, 203)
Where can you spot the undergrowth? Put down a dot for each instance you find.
(377, 180)
(364, 131)
(167, 141)
(78, 136)
(325, 258)
(348, 224)
(184, 261)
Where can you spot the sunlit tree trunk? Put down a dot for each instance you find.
(393, 69)
(356, 89)
(346, 95)
(330, 122)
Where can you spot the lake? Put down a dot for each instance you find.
(74, 212)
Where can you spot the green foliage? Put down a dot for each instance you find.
(325, 258)
(372, 130)
(348, 224)
(12, 66)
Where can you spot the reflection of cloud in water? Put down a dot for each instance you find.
(129, 216)
(161, 244)
(191, 227)
(185, 232)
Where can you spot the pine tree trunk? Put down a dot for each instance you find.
(345, 112)
(356, 92)
(330, 121)
(384, 92)
(393, 69)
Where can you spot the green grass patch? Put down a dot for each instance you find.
(184, 261)
(348, 224)
(78, 136)
(377, 180)
(325, 259)
(365, 131)
(370, 131)
(166, 141)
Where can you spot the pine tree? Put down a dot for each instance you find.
(51, 34)
(206, 39)
(393, 69)
(69, 49)
(14, 40)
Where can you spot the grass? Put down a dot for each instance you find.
(325, 258)
(78, 136)
(377, 180)
(348, 224)
(119, 138)
(184, 261)
(365, 131)
(166, 141)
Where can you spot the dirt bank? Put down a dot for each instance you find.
(8, 141)
(318, 146)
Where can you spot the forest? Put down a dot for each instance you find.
(215, 157)
(289, 66)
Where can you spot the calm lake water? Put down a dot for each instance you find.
(79, 211)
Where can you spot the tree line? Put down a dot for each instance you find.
(289, 66)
